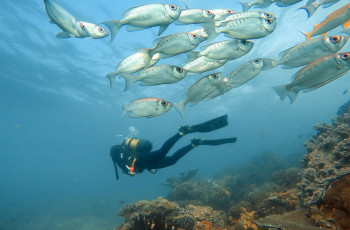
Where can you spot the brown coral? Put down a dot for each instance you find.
(328, 158)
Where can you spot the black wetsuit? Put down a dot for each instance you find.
(148, 160)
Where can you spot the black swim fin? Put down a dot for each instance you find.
(208, 126)
(196, 141)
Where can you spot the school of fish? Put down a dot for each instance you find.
(319, 58)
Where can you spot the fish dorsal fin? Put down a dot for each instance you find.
(125, 13)
(162, 29)
(156, 41)
(346, 24)
(294, 76)
(186, 6)
(282, 53)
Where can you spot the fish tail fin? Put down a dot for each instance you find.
(111, 76)
(180, 107)
(130, 80)
(211, 30)
(293, 93)
(124, 108)
(191, 55)
(113, 26)
(310, 9)
(246, 5)
(308, 35)
(282, 91)
(269, 63)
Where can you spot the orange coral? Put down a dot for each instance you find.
(246, 221)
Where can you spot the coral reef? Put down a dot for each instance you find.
(328, 157)
(294, 220)
(163, 214)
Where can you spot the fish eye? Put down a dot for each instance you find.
(194, 35)
(269, 21)
(172, 7)
(345, 56)
(229, 12)
(163, 103)
(335, 39)
(82, 26)
(101, 30)
(257, 61)
(244, 42)
(208, 12)
(179, 69)
(267, 15)
(215, 75)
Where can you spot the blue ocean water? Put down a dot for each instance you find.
(58, 118)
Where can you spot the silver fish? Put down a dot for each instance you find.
(194, 16)
(145, 16)
(147, 107)
(156, 75)
(203, 64)
(309, 51)
(247, 71)
(315, 75)
(221, 14)
(248, 28)
(257, 3)
(249, 14)
(178, 43)
(200, 90)
(228, 50)
(70, 26)
(311, 7)
(131, 64)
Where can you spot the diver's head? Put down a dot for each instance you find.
(137, 145)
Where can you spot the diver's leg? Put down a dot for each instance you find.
(167, 146)
(196, 141)
(167, 161)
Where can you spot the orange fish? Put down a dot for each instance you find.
(335, 19)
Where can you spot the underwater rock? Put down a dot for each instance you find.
(207, 191)
(336, 204)
(328, 158)
(183, 177)
(294, 220)
(162, 214)
(278, 203)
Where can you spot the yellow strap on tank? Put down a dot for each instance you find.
(133, 144)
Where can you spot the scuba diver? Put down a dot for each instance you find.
(134, 155)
